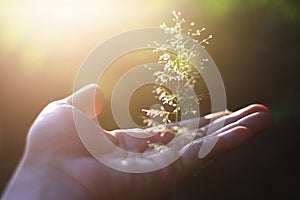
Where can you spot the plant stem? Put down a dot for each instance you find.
(176, 118)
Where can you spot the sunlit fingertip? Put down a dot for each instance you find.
(217, 114)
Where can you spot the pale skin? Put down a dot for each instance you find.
(56, 165)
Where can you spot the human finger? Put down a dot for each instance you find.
(89, 100)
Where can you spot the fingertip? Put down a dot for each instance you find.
(99, 99)
(259, 108)
(89, 99)
(235, 130)
(234, 137)
(256, 122)
(213, 116)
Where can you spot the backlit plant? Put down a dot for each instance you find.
(176, 58)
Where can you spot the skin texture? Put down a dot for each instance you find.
(56, 165)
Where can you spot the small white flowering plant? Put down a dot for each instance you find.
(176, 58)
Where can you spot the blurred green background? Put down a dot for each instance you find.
(256, 46)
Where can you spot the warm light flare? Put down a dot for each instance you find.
(37, 29)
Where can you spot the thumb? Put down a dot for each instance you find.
(89, 100)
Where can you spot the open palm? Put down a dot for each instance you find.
(55, 152)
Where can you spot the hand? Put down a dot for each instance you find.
(56, 165)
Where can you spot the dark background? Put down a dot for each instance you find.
(256, 46)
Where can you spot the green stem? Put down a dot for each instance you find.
(177, 113)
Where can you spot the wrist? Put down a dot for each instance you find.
(39, 178)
